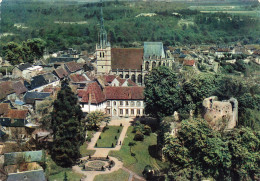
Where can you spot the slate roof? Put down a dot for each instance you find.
(73, 66)
(30, 97)
(153, 49)
(32, 175)
(7, 122)
(94, 91)
(77, 78)
(28, 156)
(61, 72)
(41, 80)
(124, 93)
(127, 58)
(62, 59)
(24, 66)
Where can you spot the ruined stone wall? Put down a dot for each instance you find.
(221, 115)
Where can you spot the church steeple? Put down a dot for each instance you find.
(102, 34)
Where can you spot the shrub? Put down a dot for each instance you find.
(139, 136)
(118, 130)
(147, 130)
(115, 137)
(96, 145)
(120, 124)
(99, 137)
(112, 145)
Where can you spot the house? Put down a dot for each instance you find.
(24, 165)
(13, 123)
(74, 67)
(18, 70)
(34, 98)
(11, 90)
(221, 52)
(27, 176)
(31, 72)
(92, 98)
(124, 101)
(77, 78)
(4, 107)
(39, 82)
(115, 101)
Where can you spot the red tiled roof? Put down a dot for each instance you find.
(73, 66)
(257, 52)
(189, 62)
(131, 83)
(223, 50)
(61, 72)
(19, 88)
(124, 93)
(17, 114)
(109, 78)
(93, 92)
(127, 58)
(4, 108)
(77, 78)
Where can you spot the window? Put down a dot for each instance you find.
(103, 54)
(108, 111)
(132, 111)
(126, 103)
(121, 111)
(108, 103)
(138, 103)
(138, 111)
(126, 111)
(121, 103)
(114, 103)
(132, 103)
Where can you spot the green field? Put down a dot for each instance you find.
(144, 151)
(119, 175)
(108, 136)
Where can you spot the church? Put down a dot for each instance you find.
(133, 63)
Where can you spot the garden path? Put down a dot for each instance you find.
(103, 152)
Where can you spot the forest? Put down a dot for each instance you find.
(72, 24)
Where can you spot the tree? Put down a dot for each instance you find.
(161, 93)
(13, 53)
(68, 129)
(36, 46)
(198, 152)
(148, 172)
(95, 118)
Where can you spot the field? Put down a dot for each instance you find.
(232, 9)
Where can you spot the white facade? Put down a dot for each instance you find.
(93, 107)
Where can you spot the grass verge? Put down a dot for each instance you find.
(108, 136)
(144, 151)
(119, 175)
(55, 172)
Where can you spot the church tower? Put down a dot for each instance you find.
(103, 48)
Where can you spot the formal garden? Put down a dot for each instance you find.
(109, 137)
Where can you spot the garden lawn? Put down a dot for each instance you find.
(119, 175)
(84, 151)
(55, 172)
(142, 150)
(108, 136)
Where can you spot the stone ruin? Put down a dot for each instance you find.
(221, 115)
